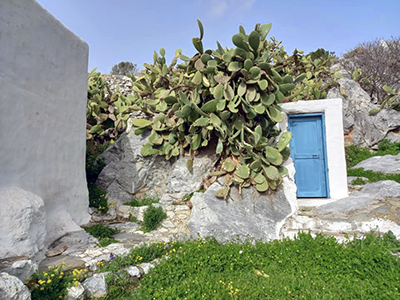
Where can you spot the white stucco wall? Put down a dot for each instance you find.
(43, 86)
(332, 108)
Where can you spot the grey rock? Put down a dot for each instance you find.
(11, 288)
(96, 286)
(21, 269)
(127, 172)
(365, 197)
(75, 292)
(146, 267)
(126, 227)
(182, 182)
(70, 262)
(133, 271)
(388, 164)
(363, 129)
(394, 136)
(22, 223)
(77, 241)
(248, 216)
(124, 83)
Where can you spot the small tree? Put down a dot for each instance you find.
(379, 62)
(123, 68)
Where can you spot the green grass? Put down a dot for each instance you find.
(354, 154)
(373, 176)
(142, 202)
(358, 181)
(103, 233)
(304, 268)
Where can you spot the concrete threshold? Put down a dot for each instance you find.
(304, 202)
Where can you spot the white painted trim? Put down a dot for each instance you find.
(332, 108)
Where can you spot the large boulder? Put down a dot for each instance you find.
(127, 173)
(11, 288)
(251, 215)
(22, 223)
(388, 164)
(361, 128)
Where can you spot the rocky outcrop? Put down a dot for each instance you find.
(23, 223)
(388, 164)
(123, 83)
(361, 128)
(376, 207)
(127, 173)
(11, 288)
(19, 267)
(96, 286)
(251, 215)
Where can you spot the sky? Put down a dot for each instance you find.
(131, 30)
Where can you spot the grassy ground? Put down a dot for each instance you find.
(304, 268)
(354, 155)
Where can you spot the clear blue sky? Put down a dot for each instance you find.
(130, 30)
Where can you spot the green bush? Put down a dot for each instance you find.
(358, 181)
(103, 233)
(53, 283)
(152, 217)
(142, 202)
(97, 198)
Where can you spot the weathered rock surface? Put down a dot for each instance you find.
(22, 223)
(75, 292)
(370, 193)
(70, 263)
(11, 288)
(248, 216)
(388, 164)
(21, 269)
(375, 207)
(96, 286)
(360, 127)
(128, 173)
(124, 83)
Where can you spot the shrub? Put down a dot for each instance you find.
(152, 217)
(142, 202)
(123, 68)
(379, 63)
(358, 181)
(52, 284)
(103, 233)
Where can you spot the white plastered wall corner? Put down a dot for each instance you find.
(332, 109)
(43, 84)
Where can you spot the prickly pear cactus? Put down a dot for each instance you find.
(106, 113)
(229, 96)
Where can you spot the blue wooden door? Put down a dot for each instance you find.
(309, 155)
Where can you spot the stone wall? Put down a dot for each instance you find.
(43, 80)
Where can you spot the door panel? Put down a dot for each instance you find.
(308, 153)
